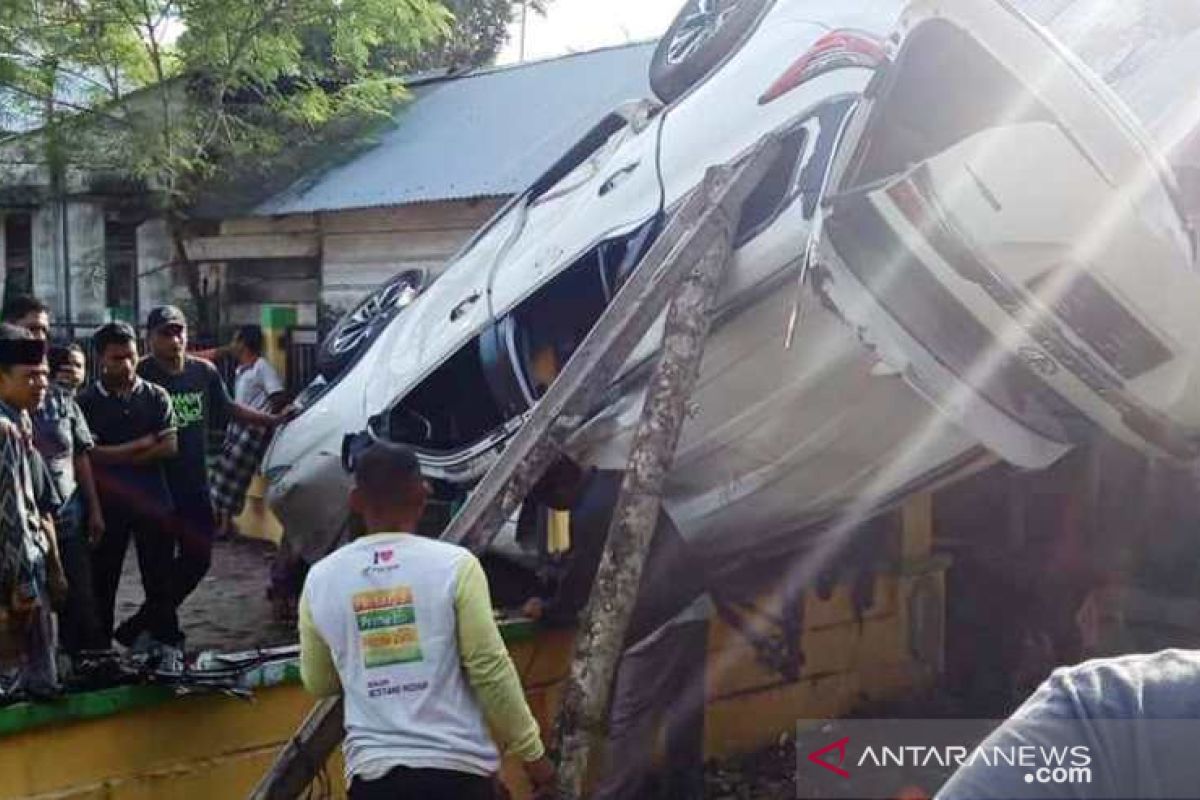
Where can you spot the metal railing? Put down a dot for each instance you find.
(301, 344)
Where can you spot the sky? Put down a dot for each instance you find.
(577, 25)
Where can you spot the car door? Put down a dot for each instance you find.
(1005, 208)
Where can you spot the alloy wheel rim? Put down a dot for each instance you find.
(698, 28)
(363, 319)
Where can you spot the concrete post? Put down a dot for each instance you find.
(583, 718)
(155, 285)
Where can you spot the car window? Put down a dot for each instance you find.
(548, 326)
(798, 172)
(768, 198)
(552, 323)
(451, 408)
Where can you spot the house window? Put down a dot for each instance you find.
(120, 264)
(18, 254)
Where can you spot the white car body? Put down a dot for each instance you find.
(1036, 269)
(783, 439)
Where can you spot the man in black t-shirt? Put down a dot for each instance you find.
(197, 393)
(135, 433)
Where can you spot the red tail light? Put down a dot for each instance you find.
(834, 50)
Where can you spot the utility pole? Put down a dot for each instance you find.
(583, 717)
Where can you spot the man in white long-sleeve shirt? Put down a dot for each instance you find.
(403, 626)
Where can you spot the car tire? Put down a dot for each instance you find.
(703, 34)
(358, 327)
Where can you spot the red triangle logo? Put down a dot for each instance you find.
(840, 746)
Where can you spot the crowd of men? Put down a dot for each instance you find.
(88, 466)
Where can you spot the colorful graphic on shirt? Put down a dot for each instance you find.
(387, 627)
(189, 408)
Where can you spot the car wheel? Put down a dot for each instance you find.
(702, 35)
(355, 330)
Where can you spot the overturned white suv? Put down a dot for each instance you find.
(982, 249)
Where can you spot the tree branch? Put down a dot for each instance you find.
(252, 31)
(56, 66)
(65, 104)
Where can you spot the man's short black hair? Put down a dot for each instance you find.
(384, 469)
(21, 306)
(113, 333)
(23, 339)
(252, 337)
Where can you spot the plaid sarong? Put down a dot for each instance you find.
(240, 456)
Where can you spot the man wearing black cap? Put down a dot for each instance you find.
(26, 546)
(196, 391)
(402, 626)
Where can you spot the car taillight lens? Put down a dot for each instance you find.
(834, 50)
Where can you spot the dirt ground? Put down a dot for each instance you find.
(229, 611)
(769, 774)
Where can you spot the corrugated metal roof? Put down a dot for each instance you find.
(486, 134)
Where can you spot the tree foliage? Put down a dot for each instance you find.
(181, 87)
(177, 93)
(184, 84)
(480, 30)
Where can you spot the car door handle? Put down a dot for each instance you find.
(618, 177)
(462, 308)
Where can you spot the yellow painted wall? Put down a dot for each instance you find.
(198, 747)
